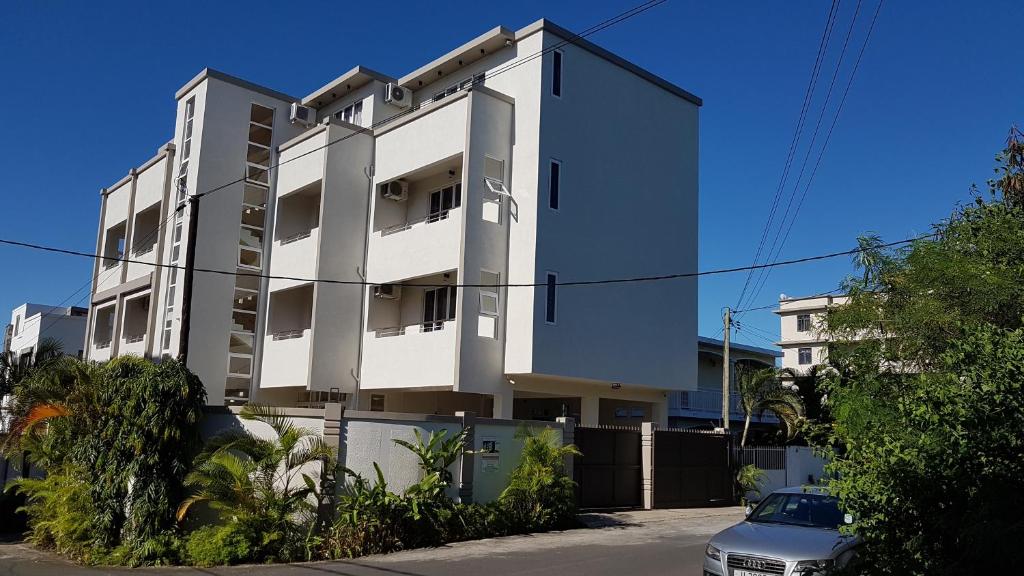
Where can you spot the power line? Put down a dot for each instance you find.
(824, 147)
(776, 304)
(812, 82)
(634, 279)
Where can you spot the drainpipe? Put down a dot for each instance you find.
(368, 172)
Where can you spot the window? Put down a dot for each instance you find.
(804, 356)
(17, 325)
(353, 114)
(556, 74)
(376, 402)
(443, 200)
(552, 295)
(554, 184)
(489, 292)
(438, 307)
(803, 322)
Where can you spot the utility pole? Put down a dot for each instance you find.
(725, 369)
(190, 265)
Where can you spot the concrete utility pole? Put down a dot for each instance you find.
(190, 264)
(725, 369)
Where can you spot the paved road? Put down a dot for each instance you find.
(635, 543)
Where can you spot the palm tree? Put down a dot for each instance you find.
(13, 370)
(762, 390)
(869, 256)
(261, 483)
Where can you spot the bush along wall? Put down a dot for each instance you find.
(117, 441)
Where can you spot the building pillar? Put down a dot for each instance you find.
(568, 437)
(503, 404)
(659, 409)
(333, 415)
(466, 459)
(647, 464)
(590, 410)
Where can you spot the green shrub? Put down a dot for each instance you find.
(219, 545)
(60, 512)
(749, 479)
(540, 495)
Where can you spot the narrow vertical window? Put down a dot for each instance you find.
(554, 184)
(556, 73)
(552, 294)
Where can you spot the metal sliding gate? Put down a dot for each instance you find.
(691, 469)
(608, 475)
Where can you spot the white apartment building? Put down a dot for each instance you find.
(417, 198)
(802, 342)
(31, 323)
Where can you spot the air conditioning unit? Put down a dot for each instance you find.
(302, 115)
(387, 291)
(397, 95)
(397, 190)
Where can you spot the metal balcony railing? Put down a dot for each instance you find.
(133, 338)
(428, 219)
(103, 344)
(710, 401)
(289, 334)
(296, 237)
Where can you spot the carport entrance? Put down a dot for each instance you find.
(608, 475)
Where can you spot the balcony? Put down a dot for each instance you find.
(421, 234)
(411, 337)
(708, 404)
(288, 342)
(136, 321)
(296, 235)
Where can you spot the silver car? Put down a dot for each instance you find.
(792, 532)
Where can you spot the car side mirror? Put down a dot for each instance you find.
(848, 518)
(748, 510)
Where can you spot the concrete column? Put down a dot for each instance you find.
(590, 410)
(333, 414)
(660, 411)
(503, 404)
(647, 464)
(568, 437)
(467, 461)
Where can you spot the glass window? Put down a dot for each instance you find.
(255, 195)
(260, 135)
(554, 184)
(253, 216)
(438, 306)
(241, 365)
(262, 114)
(243, 321)
(803, 322)
(556, 73)
(804, 356)
(249, 258)
(240, 343)
(489, 293)
(552, 294)
(244, 301)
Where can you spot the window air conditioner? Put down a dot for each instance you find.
(397, 95)
(300, 114)
(397, 190)
(387, 291)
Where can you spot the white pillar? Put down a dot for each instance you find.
(590, 410)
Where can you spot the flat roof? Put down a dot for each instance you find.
(745, 347)
(477, 48)
(342, 85)
(211, 73)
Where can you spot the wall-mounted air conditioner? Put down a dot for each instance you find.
(387, 291)
(397, 95)
(397, 190)
(303, 115)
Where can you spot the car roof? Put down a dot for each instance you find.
(820, 490)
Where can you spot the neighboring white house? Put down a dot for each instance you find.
(802, 342)
(500, 169)
(704, 405)
(31, 323)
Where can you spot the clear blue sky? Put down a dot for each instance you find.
(88, 90)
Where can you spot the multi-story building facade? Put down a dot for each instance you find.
(31, 323)
(802, 341)
(365, 250)
(703, 406)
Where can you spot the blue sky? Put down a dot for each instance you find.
(89, 92)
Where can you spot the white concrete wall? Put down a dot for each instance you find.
(36, 324)
(491, 471)
(412, 360)
(801, 465)
(628, 207)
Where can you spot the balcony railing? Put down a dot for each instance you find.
(431, 326)
(389, 332)
(103, 344)
(710, 402)
(133, 338)
(428, 219)
(296, 237)
(143, 250)
(289, 334)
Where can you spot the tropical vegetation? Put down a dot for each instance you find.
(925, 399)
(763, 390)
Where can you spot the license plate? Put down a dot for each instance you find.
(748, 573)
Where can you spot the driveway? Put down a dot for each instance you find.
(635, 543)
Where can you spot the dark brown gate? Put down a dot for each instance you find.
(608, 473)
(691, 469)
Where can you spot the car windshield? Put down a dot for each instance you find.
(814, 510)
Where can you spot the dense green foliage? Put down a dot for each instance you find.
(125, 433)
(13, 370)
(928, 412)
(261, 489)
(372, 519)
(748, 481)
